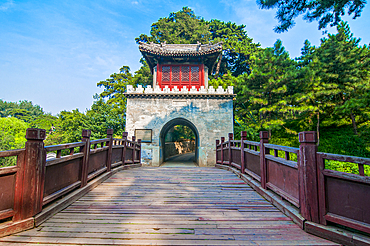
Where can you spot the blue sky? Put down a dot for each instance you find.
(54, 52)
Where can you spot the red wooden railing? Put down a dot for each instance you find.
(28, 190)
(298, 176)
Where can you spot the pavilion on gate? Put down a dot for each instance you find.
(179, 96)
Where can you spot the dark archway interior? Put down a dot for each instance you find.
(168, 133)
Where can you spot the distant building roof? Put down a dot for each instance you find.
(163, 52)
(164, 49)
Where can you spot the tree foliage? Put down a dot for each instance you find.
(115, 87)
(325, 11)
(184, 27)
(12, 136)
(326, 87)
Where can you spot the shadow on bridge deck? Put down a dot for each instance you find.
(183, 160)
(169, 206)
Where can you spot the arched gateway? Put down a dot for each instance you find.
(179, 96)
(168, 126)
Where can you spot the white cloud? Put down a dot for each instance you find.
(5, 6)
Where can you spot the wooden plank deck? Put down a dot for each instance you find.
(169, 206)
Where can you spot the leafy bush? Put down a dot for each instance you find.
(12, 136)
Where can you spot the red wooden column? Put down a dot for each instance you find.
(307, 176)
(86, 134)
(243, 135)
(31, 176)
(222, 150)
(124, 149)
(110, 144)
(264, 138)
(231, 136)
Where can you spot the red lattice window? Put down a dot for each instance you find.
(180, 75)
(194, 74)
(166, 73)
(176, 74)
(185, 73)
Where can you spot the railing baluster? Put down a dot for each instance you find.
(109, 143)
(361, 169)
(243, 137)
(231, 135)
(85, 161)
(264, 136)
(222, 150)
(59, 153)
(30, 183)
(307, 176)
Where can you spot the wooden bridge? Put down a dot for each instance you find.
(100, 195)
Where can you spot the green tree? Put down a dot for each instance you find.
(71, 125)
(12, 136)
(115, 87)
(343, 69)
(143, 76)
(182, 27)
(237, 47)
(327, 12)
(308, 106)
(24, 110)
(265, 92)
(101, 117)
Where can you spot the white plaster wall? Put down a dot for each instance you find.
(213, 119)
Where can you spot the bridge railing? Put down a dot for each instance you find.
(28, 189)
(298, 177)
(344, 198)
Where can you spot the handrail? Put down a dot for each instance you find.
(345, 158)
(306, 184)
(9, 153)
(251, 143)
(40, 181)
(64, 146)
(283, 148)
(98, 141)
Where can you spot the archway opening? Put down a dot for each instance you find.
(179, 143)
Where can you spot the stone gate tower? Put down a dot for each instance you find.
(179, 96)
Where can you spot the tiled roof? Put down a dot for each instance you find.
(164, 49)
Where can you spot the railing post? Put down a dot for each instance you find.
(133, 149)
(86, 134)
(243, 137)
(307, 176)
(217, 143)
(139, 153)
(110, 144)
(124, 149)
(231, 136)
(264, 138)
(31, 176)
(222, 150)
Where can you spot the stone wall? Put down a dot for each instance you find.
(212, 118)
